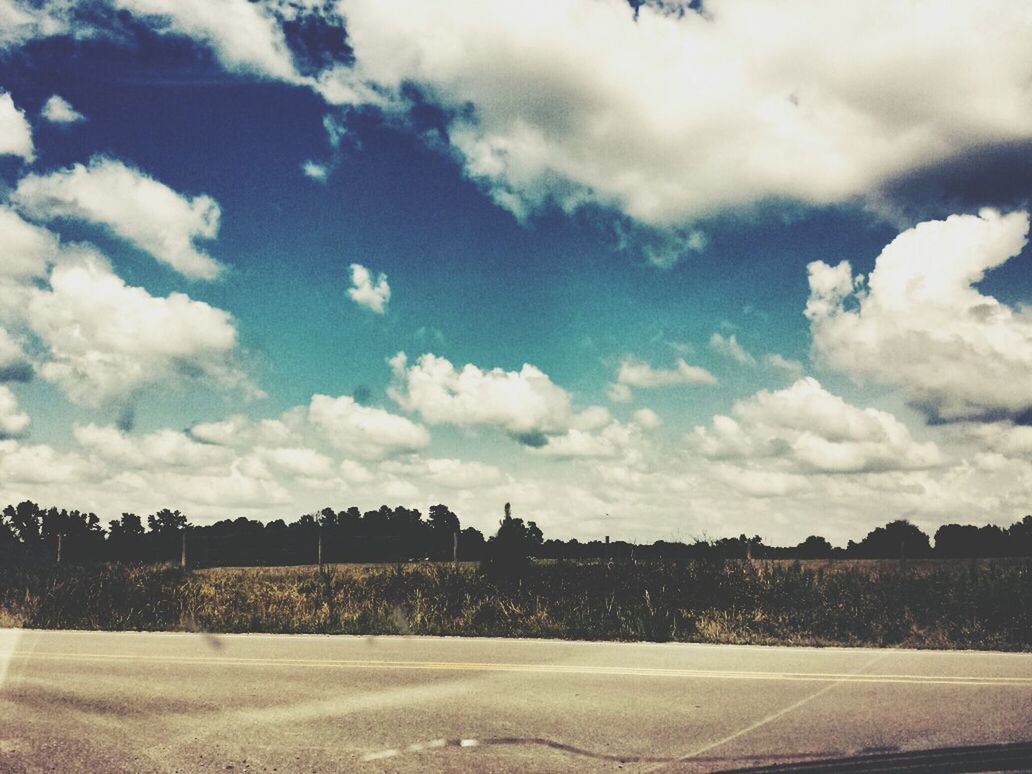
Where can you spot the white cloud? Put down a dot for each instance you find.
(299, 461)
(633, 372)
(315, 171)
(526, 404)
(613, 440)
(760, 483)
(647, 418)
(575, 101)
(919, 323)
(26, 250)
(365, 292)
(15, 132)
(104, 339)
(792, 367)
(134, 206)
(366, 432)
(578, 102)
(447, 472)
(240, 432)
(729, 347)
(805, 428)
(620, 393)
(14, 364)
(21, 21)
(58, 110)
(41, 464)
(13, 423)
(1008, 440)
(243, 34)
(161, 450)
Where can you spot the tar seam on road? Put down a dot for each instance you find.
(438, 744)
(764, 720)
(566, 669)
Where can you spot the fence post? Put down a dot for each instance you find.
(455, 550)
(182, 557)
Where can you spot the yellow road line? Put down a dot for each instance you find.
(565, 669)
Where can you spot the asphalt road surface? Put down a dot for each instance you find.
(140, 702)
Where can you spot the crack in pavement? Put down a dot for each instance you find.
(766, 719)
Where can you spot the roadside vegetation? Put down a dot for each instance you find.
(933, 604)
(892, 588)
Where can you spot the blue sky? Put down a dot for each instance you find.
(612, 249)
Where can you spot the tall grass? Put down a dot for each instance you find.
(949, 604)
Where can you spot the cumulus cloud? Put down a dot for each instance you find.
(729, 347)
(13, 422)
(160, 450)
(588, 102)
(22, 463)
(575, 101)
(134, 206)
(366, 292)
(646, 111)
(614, 439)
(103, 339)
(446, 471)
(244, 35)
(364, 431)
(299, 461)
(805, 428)
(919, 323)
(635, 373)
(15, 365)
(27, 250)
(240, 432)
(15, 132)
(526, 404)
(58, 110)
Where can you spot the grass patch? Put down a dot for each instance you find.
(933, 604)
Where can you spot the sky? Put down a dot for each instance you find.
(653, 270)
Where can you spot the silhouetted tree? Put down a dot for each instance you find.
(1019, 536)
(814, 547)
(887, 542)
(443, 526)
(507, 554)
(165, 521)
(26, 521)
(125, 538)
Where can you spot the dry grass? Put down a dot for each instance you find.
(935, 603)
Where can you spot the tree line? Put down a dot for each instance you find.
(29, 532)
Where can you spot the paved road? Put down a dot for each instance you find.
(95, 701)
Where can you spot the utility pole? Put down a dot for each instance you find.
(59, 547)
(455, 549)
(182, 558)
(319, 550)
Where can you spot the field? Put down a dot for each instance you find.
(983, 604)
